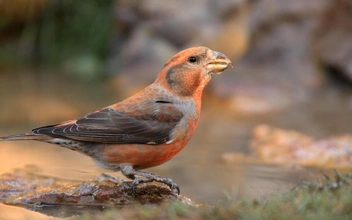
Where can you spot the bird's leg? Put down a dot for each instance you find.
(113, 179)
(131, 173)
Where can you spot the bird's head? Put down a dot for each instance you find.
(191, 69)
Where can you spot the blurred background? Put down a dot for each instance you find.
(60, 59)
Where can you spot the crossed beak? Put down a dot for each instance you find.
(217, 62)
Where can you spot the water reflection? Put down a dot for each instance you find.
(12, 212)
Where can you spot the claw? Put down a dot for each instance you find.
(166, 181)
(128, 171)
(171, 184)
(136, 181)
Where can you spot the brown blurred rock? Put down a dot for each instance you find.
(279, 41)
(277, 146)
(154, 31)
(333, 40)
(144, 46)
(235, 157)
(278, 68)
(139, 60)
(229, 33)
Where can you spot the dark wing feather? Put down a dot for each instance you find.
(111, 126)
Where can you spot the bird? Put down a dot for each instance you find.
(146, 129)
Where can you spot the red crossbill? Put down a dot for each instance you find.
(146, 129)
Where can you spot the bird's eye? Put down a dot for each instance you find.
(192, 59)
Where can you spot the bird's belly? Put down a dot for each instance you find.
(140, 156)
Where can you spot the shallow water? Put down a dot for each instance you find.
(198, 169)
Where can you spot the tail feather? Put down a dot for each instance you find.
(25, 136)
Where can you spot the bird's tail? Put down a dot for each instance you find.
(25, 136)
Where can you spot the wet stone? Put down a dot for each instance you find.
(33, 191)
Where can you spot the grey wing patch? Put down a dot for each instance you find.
(110, 126)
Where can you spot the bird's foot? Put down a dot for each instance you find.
(173, 186)
(146, 177)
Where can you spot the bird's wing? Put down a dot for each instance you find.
(112, 126)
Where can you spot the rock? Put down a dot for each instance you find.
(277, 70)
(38, 192)
(228, 32)
(274, 44)
(277, 146)
(154, 34)
(143, 46)
(334, 152)
(333, 45)
(234, 157)
(141, 58)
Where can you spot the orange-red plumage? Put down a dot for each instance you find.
(146, 129)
